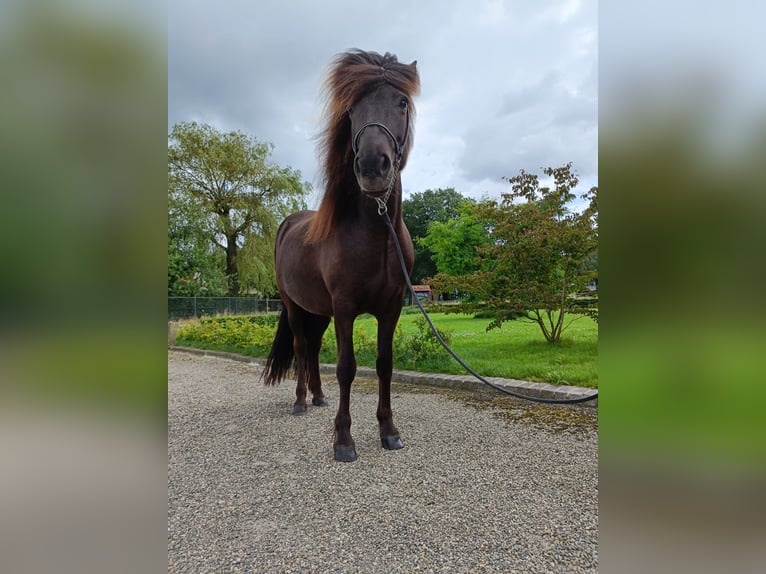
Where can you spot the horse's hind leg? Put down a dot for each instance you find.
(300, 406)
(315, 328)
(389, 435)
(297, 317)
(307, 341)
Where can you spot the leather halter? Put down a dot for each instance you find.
(398, 147)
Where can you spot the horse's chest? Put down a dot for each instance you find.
(365, 275)
(369, 276)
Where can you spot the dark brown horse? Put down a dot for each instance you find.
(339, 261)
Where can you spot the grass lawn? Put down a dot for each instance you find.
(517, 350)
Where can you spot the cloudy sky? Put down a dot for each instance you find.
(505, 84)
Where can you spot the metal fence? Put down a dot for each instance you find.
(187, 307)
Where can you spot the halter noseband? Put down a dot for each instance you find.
(398, 147)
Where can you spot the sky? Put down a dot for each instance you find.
(505, 85)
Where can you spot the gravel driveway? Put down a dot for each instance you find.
(485, 483)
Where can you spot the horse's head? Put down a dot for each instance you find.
(380, 128)
(370, 114)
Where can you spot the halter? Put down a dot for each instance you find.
(399, 149)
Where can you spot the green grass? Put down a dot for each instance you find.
(517, 350)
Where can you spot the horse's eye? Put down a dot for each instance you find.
(403, 103)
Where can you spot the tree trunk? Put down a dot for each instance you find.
(562, 308)
(232, 273)
(541, 322)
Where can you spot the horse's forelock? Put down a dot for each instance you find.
(355, 73)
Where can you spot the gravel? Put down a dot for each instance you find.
(484, 483)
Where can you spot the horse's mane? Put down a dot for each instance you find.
(352, 75)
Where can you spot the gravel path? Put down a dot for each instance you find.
(484, 484)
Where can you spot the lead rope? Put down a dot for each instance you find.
(383, 211)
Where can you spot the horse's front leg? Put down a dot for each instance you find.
(343, 445)
(389, 435)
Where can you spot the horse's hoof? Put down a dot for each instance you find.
(391, 442)
(319, 402)
(299, 409)
(345, 453)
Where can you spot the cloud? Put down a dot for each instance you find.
(505, 84)
(543, 124)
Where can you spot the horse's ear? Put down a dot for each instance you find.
(414, 64)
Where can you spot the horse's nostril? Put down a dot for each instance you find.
(372, 165)
(385, 165)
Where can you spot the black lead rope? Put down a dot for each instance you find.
(387, 219)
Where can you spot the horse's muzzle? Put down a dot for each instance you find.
(373, 172)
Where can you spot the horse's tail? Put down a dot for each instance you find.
(280, 361)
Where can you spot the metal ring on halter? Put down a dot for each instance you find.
(383, 202)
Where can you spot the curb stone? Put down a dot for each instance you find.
(542, 390)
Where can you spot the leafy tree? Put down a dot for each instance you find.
(456, 242)
(242, 198)
(195, 264)
(539, 253)
(421, 210)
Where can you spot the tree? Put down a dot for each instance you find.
(421, 210)
(241, 196)
(539, 254)
(195, 264)
(456, 242)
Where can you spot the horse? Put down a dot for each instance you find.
(339, 262)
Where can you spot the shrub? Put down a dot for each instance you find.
(365, 346)
(423, 346)
(248, 332)
(253, 335)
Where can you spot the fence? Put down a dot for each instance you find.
(186, 307)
